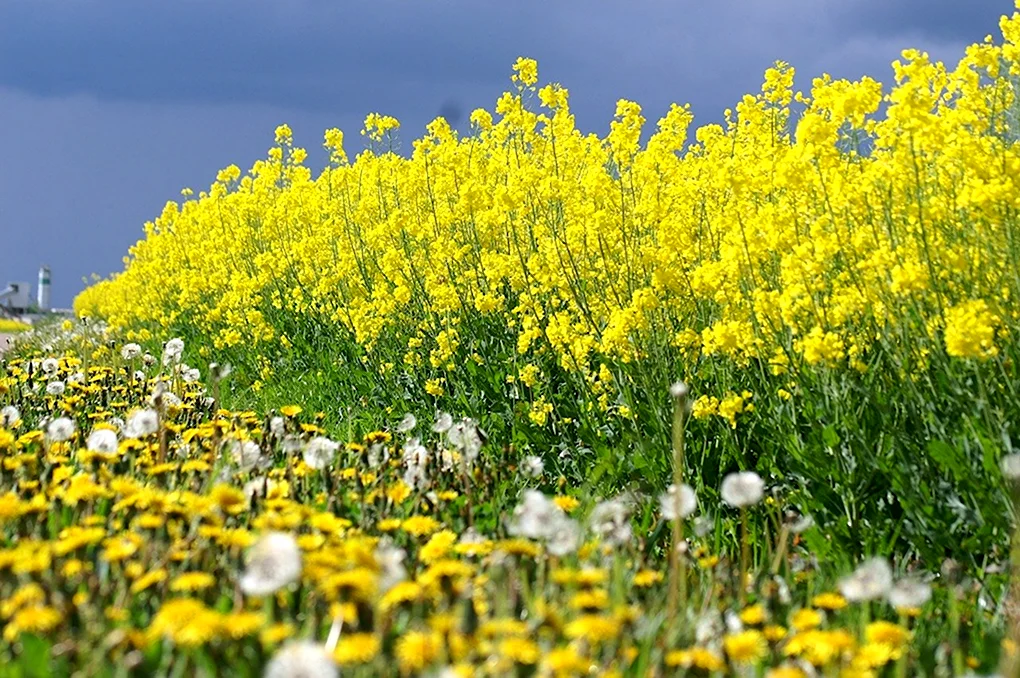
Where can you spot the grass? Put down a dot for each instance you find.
(145, 562)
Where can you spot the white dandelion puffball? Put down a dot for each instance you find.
(407, 424)
(245, 454)
(443, 423)
(610, 520)
(130, 351)
(172, 351)
(563, 537)
(141, 423)
(532, 467)
(909, 593)
(9, 416)
(302, 659)
(102, 440)
(678, 503)
(273, 562)
(55, 388)
(60, 429)
(319, 452)
(533, 517)
(678, 391)
(50, 366)
(1011, 466)
(872, 579)
(742, 489)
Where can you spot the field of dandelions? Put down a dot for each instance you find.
(525, 401)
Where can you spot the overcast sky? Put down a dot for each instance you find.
(108, 108)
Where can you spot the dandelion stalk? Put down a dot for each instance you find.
(677, 564)
(745, 554)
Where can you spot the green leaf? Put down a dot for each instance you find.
(946, 456)
(829, 436)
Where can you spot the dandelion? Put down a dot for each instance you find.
(142, 423)
(172, 351)
(130, 351)
(302, 659)
(742, 489)
(246, 454)
(55, 388)
(563, 537)
(319, 452)
(533, 516)
(415, 459)
(390, 561)
(909, 593)
(276, 427)
(746, 646)
(610, 521)
(1010, 465)
(443, 423)
(532, 467)
(674, 503)
(9, 416)
(50, 366)
(407, 424)
(873, 579)
(273, 562)
(378, 454)
(60, 429)
(466, 438)
(415, 650)
(102, 440)
(679, 391)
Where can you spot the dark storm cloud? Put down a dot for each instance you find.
(947, 20)
(322, 55)
(109, 107)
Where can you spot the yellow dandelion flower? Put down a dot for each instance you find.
(416, 650)
(746, 646)
(356, 648)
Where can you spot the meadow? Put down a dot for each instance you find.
(532, 401)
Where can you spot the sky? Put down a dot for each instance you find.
(108, 108)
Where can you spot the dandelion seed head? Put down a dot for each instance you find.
(60, 429)
(130, 351)
(1010, 465)
(172, 351)
(678, 502)
(872, 579)
(443, 423)
(678, 391)
(909, 593)
(141, 423)
(407, 424)
(245, 454)
(319, 452)
(532, 467)
(302, 659)
(10, 416)
(102, 440)
(273, 562)
(742, 489)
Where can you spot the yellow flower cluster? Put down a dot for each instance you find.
(808, 233)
